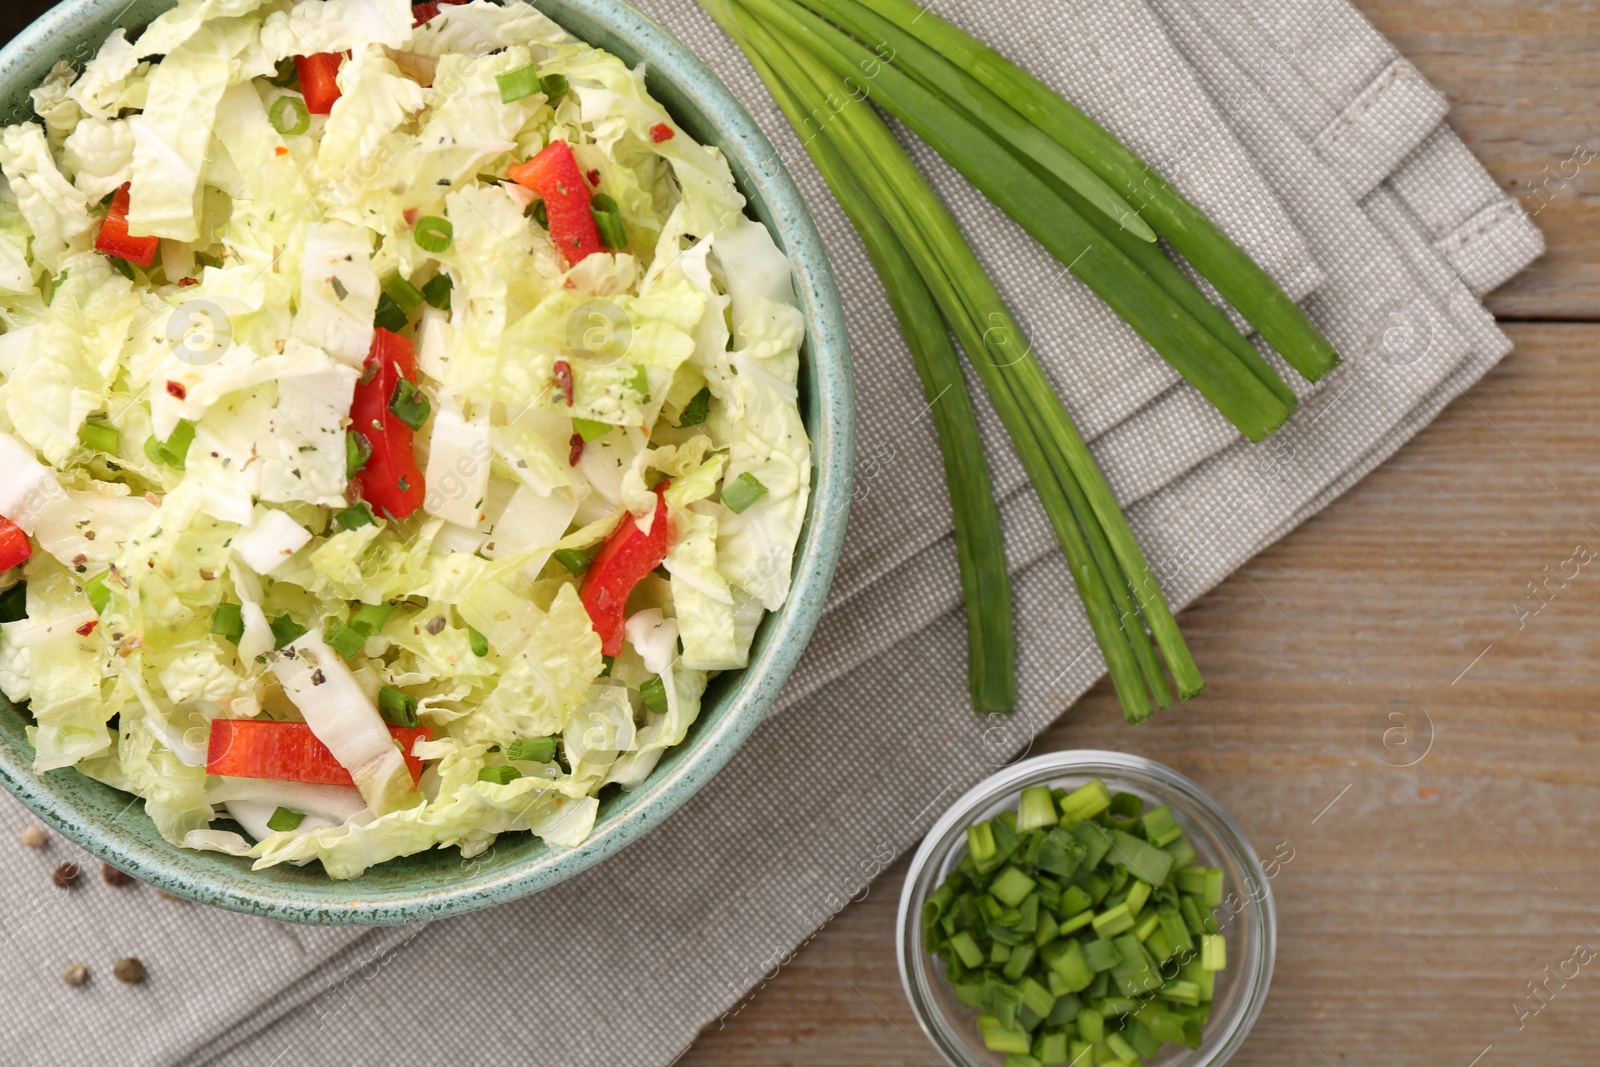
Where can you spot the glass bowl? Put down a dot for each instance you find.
(1248, 913)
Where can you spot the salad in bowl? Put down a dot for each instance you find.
(398, 426)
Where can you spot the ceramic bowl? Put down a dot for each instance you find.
(435, 884)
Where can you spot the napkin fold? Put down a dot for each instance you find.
(1313, 143)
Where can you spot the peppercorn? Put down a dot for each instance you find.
(129, 970)
(114, 876)
(34, 837)
(66, 876)
(75, 975)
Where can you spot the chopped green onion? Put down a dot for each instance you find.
(285, 73)
(1126, 805)
(1138, 895)
(695, 411)
(478, 643)
(1051, 1048)
(1036, 810)
(175, 449)
(370, 619)
(1136, 975)
(98, 592)
(998, 1037)
(410, 404)
(1113, 921)
(434, 234)
(980, 841)
(1095, 839)
(518, 84)
(504, 774)
(1182, 992)
(532, 749)
(1181, 851)
(354, 517)
(589, 429)
(541, 213)
(399, 289)
(289, 116)
(608, 219)
(344, 639)
(228, 621)
(285, 819)
(100, 437)
(1060, 853)
(1091, 949)
(285, 631)
(122, 267)
(1017, 961)
(1173, 1027)
(390, 315)
(1010, 886)
(437, 291)
(1067, 961)
(1213, 952)
(742, 492)
(1119, 1045)
(654, 693)
(357, 450)
(575, 560)
(966, 949)
(640, 382)
(1085, 802)
(397, 708)
(554, 86)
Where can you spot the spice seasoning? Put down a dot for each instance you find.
(34, 837)
(129, 970)
(66, 876)
(114, 876)
(75, 975)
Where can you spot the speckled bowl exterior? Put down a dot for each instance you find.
(440, 883)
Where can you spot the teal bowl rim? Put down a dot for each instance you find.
(707, 109)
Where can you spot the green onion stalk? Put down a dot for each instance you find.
(902, 220)
(1237, 277)
(980, 548)
(1032, 147)
(1235, 388)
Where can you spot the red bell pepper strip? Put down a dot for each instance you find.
(114, 239)
(390, 481)
(289, 752)
(661, 132)
(15, 547)
(421, 13)
(319, 80)
(555, 176)
(628, 555)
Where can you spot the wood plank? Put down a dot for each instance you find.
(1416, 909)
(1522, 79)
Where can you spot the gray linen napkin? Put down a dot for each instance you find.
(1316, 146)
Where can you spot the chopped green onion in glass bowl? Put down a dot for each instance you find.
(1024, 933)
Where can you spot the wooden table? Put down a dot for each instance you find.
(1421, 901)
